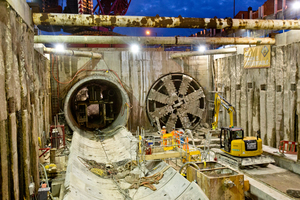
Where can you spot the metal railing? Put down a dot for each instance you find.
(161, 144)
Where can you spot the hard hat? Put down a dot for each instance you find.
(163, 127)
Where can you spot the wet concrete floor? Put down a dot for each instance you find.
(276, 177)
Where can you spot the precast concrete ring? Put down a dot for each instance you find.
(116, 93)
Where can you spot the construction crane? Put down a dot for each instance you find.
(235, 148)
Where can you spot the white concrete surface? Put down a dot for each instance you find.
(83, 184)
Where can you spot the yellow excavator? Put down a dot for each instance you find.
(236, 148)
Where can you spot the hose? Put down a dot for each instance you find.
(47, 182)
(45, 175)
(188, 163)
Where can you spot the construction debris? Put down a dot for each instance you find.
(148, 181)
(293, 192)
(99, 169)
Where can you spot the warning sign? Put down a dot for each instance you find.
(257, 57)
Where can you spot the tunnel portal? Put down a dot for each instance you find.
(96, 103)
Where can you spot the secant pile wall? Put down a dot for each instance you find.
(136, 71)
(24, 102)
(265, 99)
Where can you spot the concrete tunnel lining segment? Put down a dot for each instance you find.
(119, 99)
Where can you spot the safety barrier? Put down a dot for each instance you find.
(288, 147)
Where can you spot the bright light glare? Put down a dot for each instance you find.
(296, 5)
(147, 32)
(201, 48)
(134, 48)
(59, 47)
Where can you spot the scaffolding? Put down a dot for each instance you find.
(167, 146)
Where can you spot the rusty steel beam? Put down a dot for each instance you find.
(151, 40)
(73, 53)
(160, 22)
(224, 40)
(207, 52)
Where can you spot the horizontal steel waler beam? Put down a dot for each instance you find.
(207, 52)
(150, 40)
(73, 53)
(161, 22)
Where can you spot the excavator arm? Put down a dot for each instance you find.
(219, 100)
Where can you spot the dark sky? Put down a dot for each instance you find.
(185, 8)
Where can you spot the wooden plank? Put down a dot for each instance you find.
(217, 168)
(157, 149)
(164, 155)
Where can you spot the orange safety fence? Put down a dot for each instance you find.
(167, 141)
(288, 147)
(186, 144)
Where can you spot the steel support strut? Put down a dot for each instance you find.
(151, 40)
(161, 22)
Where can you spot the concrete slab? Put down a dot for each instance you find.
(286, 161)
(263, 191)
(275, 177)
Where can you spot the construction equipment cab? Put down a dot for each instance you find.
(236, 144)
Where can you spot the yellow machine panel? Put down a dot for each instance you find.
(238, 147)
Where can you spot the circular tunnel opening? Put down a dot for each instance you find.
(96, 103)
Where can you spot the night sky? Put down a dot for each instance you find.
(185, 8)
